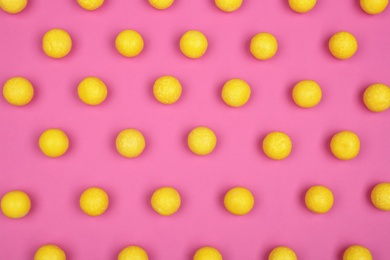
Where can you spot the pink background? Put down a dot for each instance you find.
(279, 216)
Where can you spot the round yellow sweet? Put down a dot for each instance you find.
(133, 253)
(345, 145)
(92, 91)
(167, 89)
(228, 5)
(377, 97)
(319, 199)
(90, 4)
(202, 140)
(277, 145)
(207, 253)
(357, 253)
(18, 91)
(53, 142)
(343, 45)
(129, 43)
(50, 252)
(239, 201)
(13, 6)
(374, 6)
(161, 4)
(236, 92)
(282, 253)
(130, 143)
(380, 196)
(193, 44)
(94, 201)
(302, 6)
(307, 93)
(15, 204)
(56, 43)
(263, 46)
(166, 201)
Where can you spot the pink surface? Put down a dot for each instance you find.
(279, 216)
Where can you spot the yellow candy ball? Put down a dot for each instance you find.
(90, 4)
(302, 6)
(161, 4)
(129, 43)
(202, 140)
(319, 199)
(345, 145)
(377, 97)
(50, 252)
(18, 91)
(380, 196)
(133, 253)
(374, 6)
(207, 253)
(130, 143)
(228, 5)
(167, 89)
(277, 145)
(166, 201)
(357, 253)
(264, 46)
(92, 91)
(94, 201)
(53, 142)
(343, 45)
(15, 204)
(239, 201)
(56, 43)
(236, 92)
(307, 93)
(13, 6)
(193, 44)
(282, 253)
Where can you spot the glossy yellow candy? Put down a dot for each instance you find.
(53, 142)
(374, 6)
(50, 252)
(307, 93)
(90, 4)
(228, 5)
(377, 97)
(282, 253)
(161, 4)
(239, 201)
(319, 199)
(18, 91)
(193, 44)
(166, 201)
(380, 196)
(345, 145)
(207, 253)
(167, 89)
(129, 43)
(264, 46)
(13, 6)
(94, 201)
(15, 204)
(56, 43)
(277, 145)
(133, 253)
(302, 6)
(130, 143)
(343, 45)
(357, 253)
(202, 140)
(236, 92)
(92, 91)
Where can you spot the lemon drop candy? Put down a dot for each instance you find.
(377, 97)
(161, 4)
(343, 45)
(129, 43)
(130, 143)
(236, 92)
(207, 253)
(133, 253)
(13, 6)
(53, 142)
(50, 252)
(302, 6)
(15, 204)
(374, 6)
(345, 145)
(92, 91)
(319, 199)
(18, 91)
(94, 201)
(167, 89)
(193, 44)
(202, 140)
(277, 145)
(263, 46)
(90, 4)
(239, 201)
(282, 253)
(357, 252)
(56, 43)
(380, 196)
(166, 201)
(228, 5)
(307, 93)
